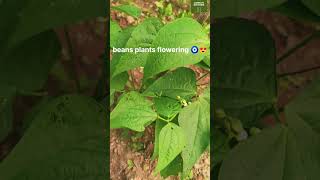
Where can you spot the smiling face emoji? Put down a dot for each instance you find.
(203, 50)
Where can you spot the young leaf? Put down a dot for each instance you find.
(183, 33)
(142, 36)
(180, 82)
(171, 142)
(26, 67)
(115, 32)
(159, 125)
(128, 9)
(117, 84)
(166, 107)
(224, 8)
(245, 73)
(66, 140)
(195, 123)
(133, 111)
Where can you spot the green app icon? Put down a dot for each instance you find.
(199, 6)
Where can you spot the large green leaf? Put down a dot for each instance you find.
(244, 75)
(296, 9)
(195, 122)
(314, 5)
(171, 142)
(128, 9)
(224, 8)
(30, 17)
(26, 67)
(133, 111)
(289, 152)
(180, 82)
(65, 141)
(141, 36)
(183, 33)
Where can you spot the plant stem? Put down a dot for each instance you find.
(298, 46)
(298, 72)
(73, 58)
(203, 76)
(161, 118)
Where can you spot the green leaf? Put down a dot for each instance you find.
(314, 5)
(141, 36)
(26, 67)
(195, 122)
(286, 153)
(277, 153)
(180, 82)
(296, 9)
(6, 112)
(171, 142)
(115, 32)
(66, 140)
(245, 73)
(133, 111)
(224, 8)
(183, 33)
(31, 17)
(173, 169)
(128, 9)
(167, 107)
(159, 125)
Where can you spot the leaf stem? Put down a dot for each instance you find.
(298, 46)
(73, 58)
(298, 72)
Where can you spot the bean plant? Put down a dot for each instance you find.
(168, 98)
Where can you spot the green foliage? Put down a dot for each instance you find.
(141, 36)
(195, 122)
(245, 91)
(180, 82)
(168, 92)
(245, 80)
(63, 137)
(128, 9)
(67, 129)
(184, 33)
(172, 141)
(133, 111)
